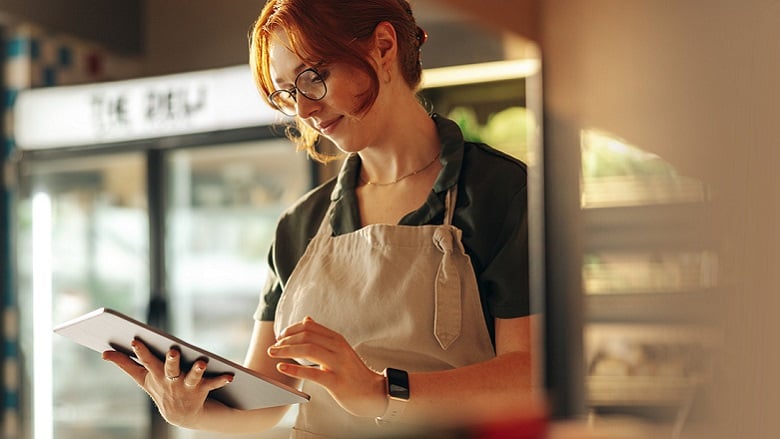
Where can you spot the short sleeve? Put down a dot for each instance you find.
(270, 294)
(506, 275)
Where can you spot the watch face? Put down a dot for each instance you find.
(397, 391)
(397, 383)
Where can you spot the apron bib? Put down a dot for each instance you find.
(402, 296)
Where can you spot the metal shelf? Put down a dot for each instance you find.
(639, 391)
(665, 226)
(686, 307)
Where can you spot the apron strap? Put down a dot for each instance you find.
(447, 289)
(449, 204)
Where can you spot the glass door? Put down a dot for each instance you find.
(82, 233)
(222, 208)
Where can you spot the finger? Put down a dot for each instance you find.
(217, 382)
(311, 352)
(128, 365)
(309, 337)
(300, 372)
(146, 357)
(307, 325)
(195, 375)
(173, 364)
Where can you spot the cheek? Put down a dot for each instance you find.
(353, 92)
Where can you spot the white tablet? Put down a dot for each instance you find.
(105, 329)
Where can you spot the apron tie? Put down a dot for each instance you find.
(447, 312)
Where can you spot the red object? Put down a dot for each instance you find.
(527, 428)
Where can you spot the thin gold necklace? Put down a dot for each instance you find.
(376, 183)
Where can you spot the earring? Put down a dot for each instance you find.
(387, 76)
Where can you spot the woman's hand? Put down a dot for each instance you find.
(337, 367)
(179, 395)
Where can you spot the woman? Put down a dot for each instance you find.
(399, 289)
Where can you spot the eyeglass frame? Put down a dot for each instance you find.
(293, 92)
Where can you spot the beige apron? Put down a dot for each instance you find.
(403, 296)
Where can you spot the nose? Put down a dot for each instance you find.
(305, 106)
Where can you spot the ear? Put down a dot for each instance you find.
(385, 44)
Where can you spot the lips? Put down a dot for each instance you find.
(328, 126)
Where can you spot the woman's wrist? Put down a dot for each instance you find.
(381, 399)
(396, 394)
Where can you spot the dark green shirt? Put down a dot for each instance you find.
(491, 210)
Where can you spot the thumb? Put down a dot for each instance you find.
(128, 366)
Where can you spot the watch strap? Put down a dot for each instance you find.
(397, 388)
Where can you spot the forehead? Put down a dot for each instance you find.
(284, 63)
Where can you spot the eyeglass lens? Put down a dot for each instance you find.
(309, 83)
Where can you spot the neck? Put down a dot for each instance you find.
(402, 177)
(412, 148)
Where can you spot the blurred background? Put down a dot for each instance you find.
(142, 172)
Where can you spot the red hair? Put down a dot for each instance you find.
(335, 31)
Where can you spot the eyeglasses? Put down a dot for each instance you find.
(309, 83)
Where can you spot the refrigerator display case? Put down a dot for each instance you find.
(82, 240)
(223, 204)
(650, 277)
(497, 103)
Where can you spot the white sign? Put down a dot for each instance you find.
(137, 109)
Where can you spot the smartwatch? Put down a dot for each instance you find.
(397, 382)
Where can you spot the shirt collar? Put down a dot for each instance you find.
(451, 140)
